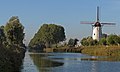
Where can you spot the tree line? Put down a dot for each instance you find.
(50, 35)
(107, 40)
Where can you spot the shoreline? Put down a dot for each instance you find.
(90, 50)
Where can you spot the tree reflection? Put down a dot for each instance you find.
(44, 64)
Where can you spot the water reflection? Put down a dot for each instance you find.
(94, 67)
(44, 64)
(69, 62)
(105, 58)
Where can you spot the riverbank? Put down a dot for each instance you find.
(101, 50)
(90, 50)
(64, 49)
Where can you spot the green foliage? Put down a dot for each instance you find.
(12, 49)
(2, 35)
(89, 41)
(113, 40)
(72, 42)
(95, 42)
(103, 41)
(48, 34)
(106, 40)
(84, 42)
(14, 31)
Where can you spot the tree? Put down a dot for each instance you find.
(103, 41)
(14, 31)
(89, 41)
(72, 42)
(2, 35)
(84, 42)
(113, 40)
(48, 34)
(110, 40)
(95, 42)
(117, 39)
(75, 41)
(106, 40)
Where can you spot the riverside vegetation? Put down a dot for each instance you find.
(49, 36)
(12, 49)
(107, 46)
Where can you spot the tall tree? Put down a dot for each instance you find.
(48, 34)
(72, 42)
(14, 31)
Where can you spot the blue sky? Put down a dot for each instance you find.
(68, 13)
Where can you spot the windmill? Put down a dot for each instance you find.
(97, 27)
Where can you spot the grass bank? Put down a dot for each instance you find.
(63, 49)
(90, 50)
(101, 50)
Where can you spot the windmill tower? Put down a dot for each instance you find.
(97, 27)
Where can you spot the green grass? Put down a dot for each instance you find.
(102, 50)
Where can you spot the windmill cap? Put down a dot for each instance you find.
(97, 24)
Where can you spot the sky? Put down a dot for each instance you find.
(67, 13)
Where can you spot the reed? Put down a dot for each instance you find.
(101, 50)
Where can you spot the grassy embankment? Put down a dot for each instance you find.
(90, 50)
(11, 58)
(101, 50)
(109, 53)
(63, 49)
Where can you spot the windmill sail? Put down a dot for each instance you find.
(108, 23)
(86, 22)
(97, 14)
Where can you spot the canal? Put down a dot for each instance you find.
(66, 62)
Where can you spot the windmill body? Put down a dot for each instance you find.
(97, 32)
(97, 27)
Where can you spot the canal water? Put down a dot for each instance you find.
(66, 62)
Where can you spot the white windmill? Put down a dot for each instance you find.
(97, 27)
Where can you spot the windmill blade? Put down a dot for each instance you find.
(97, 13)
(108, 23)
(86, 22)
